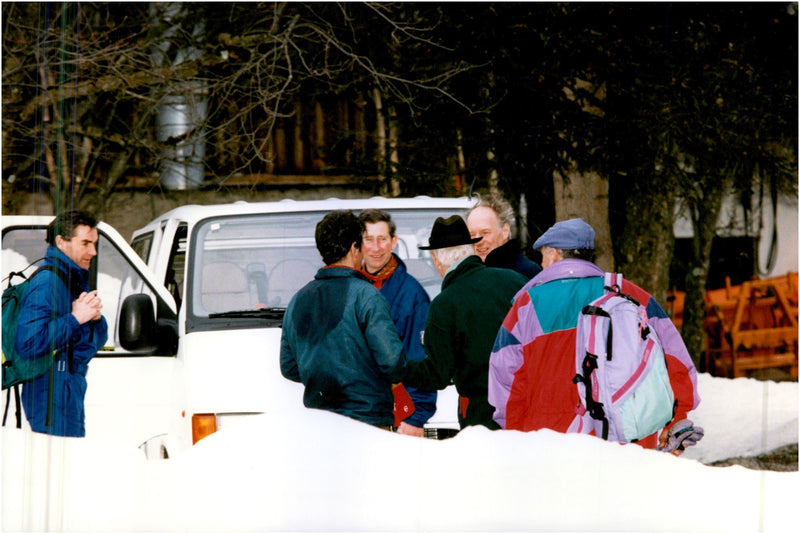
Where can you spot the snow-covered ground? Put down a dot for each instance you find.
(309, 470)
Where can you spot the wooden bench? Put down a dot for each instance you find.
(748, 326)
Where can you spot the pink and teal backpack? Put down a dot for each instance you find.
(621, 375)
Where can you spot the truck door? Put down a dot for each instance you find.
(128, 393)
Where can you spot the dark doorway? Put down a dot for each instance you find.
(730, 256)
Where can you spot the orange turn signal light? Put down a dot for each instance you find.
(203, 424)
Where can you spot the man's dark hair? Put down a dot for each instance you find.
(373, 216)
(336, 233)
(587, 254)
(66, 223)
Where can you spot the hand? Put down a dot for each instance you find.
(410, 430)
(98, 306)
(663, 441)
(87, 307)
(676, 438)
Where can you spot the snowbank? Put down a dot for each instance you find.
(313, 470)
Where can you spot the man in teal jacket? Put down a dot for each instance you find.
(64, 319)
(463, 321)
(338, 337)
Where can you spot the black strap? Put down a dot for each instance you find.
(48, 420)
(8, 402)
(594, 310)
(595, 408)
(18, 410)
(73, 284)
(617, 292)
(597, 310)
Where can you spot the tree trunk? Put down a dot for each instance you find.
(642, 229)
(461, 164)
(704, 212)
(270, 152)
(343, 125)
(394, 158)
(97, 202)
(586, 196)
(317, 158)
(84, 151)
(380, 152)
(492, 177)
(281, 149)
(298, 148)
(360, 128)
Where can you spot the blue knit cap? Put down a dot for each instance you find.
(573, 234)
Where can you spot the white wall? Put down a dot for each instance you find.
(786, 259)
(732, 223)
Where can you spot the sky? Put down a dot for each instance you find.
(309, 470)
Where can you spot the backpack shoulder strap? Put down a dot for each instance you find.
(75, 291)
(613, 282)
(74, 288)
(20, 273)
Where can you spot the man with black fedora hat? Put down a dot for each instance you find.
(462, 321)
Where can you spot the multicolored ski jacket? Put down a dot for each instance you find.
(533, 360)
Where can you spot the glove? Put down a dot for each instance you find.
(681, 435)
(403, 405)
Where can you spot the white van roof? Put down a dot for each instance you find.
(194, 212)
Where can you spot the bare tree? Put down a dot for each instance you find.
(83, 83)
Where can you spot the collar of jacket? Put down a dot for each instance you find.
(468, 264)
(384, 273)
(339, 271)
(567, 268)
(504, 254)
(61, 261)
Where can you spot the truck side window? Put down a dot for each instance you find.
(21, 247)
(142, 245)
(176, 266)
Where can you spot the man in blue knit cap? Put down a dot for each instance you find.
(532, 365)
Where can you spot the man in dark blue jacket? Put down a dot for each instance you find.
(338, 337)
(64, 319)
(408, 303)
(492, 219)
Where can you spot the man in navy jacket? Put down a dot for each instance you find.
(408, 303)
(64, 319)
(338, 337)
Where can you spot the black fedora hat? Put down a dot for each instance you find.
(450, 232)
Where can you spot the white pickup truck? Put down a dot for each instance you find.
(194, 306)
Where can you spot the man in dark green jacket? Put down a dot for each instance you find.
(463, 321)
(338, 336)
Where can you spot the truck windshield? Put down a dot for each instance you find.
(258, 262)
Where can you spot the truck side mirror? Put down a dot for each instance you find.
(137, 324)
